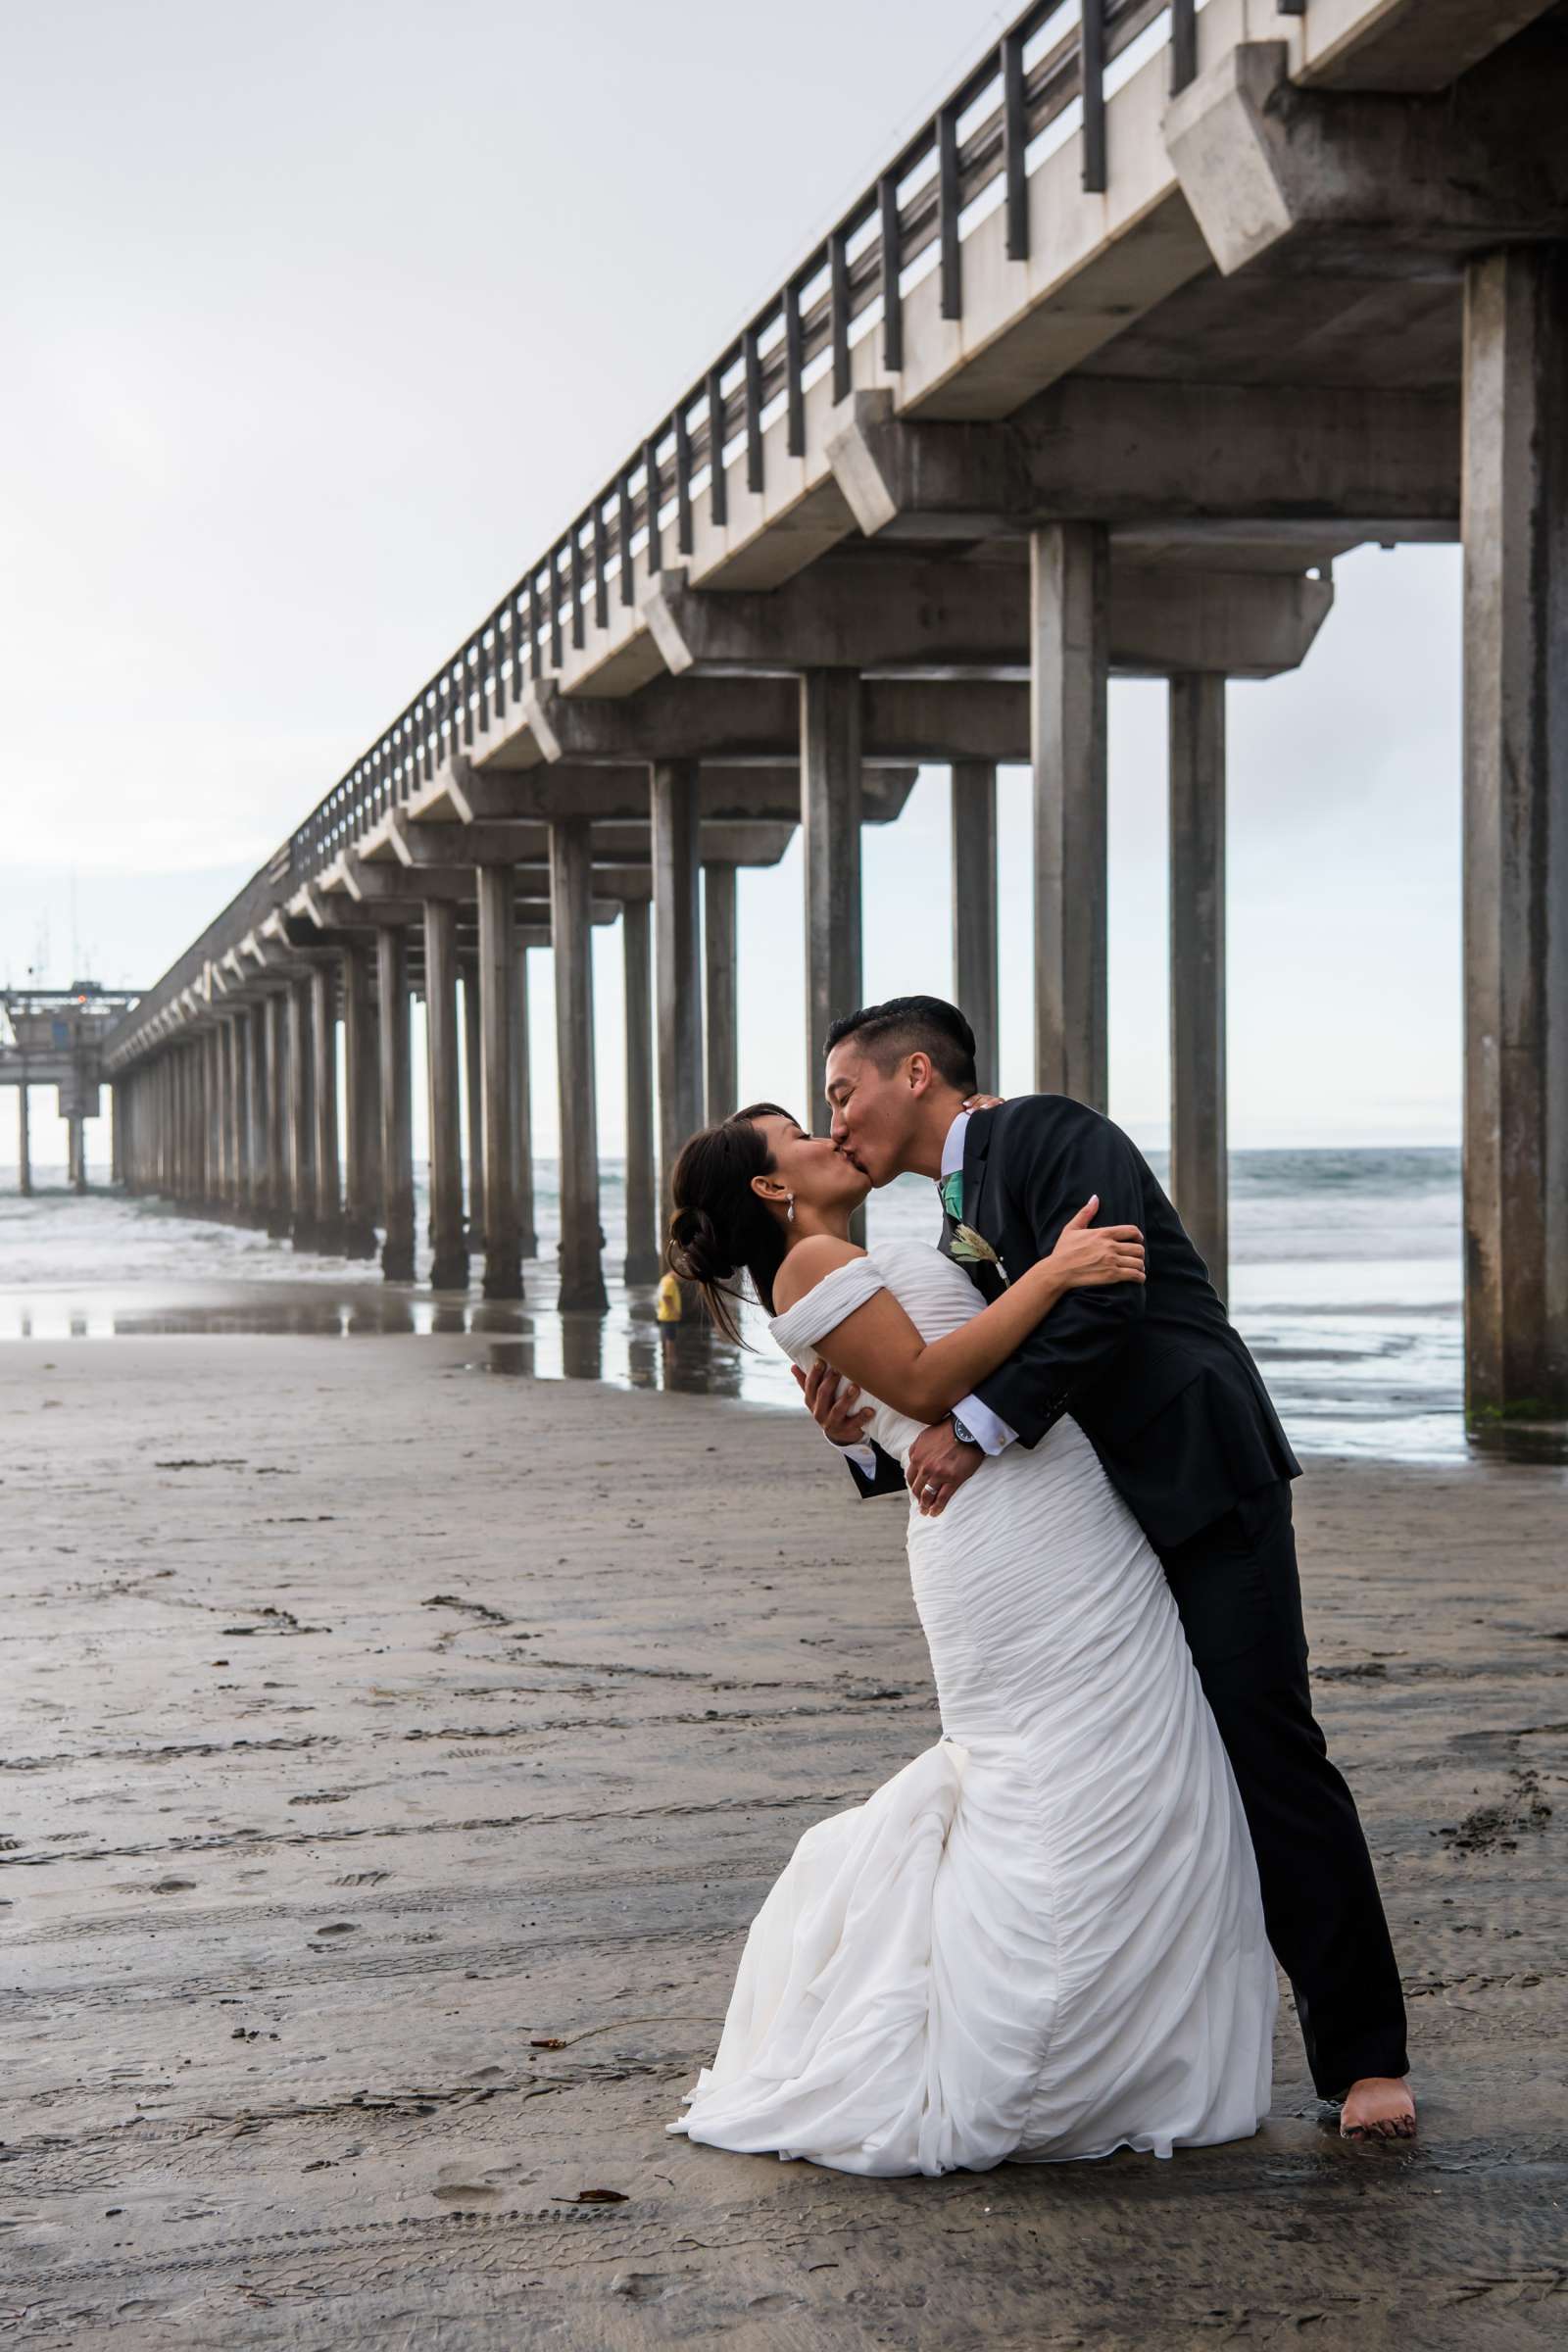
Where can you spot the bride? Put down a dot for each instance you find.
(1043, 1939)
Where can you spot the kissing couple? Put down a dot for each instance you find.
(1054, 1934)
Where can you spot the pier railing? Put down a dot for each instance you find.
(973, 150)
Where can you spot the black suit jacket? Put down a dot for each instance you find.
(1154, 1373)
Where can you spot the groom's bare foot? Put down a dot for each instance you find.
(1377, 2107)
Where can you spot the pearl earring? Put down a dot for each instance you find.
(789, 1213)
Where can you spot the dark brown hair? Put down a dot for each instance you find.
(719, 1228)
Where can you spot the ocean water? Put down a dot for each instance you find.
(1345, 1282)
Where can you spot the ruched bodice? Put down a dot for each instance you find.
(1043, 1939)
(936, 1295)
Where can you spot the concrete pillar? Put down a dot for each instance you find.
(252, 1131)
(673, 816)
(718, 990)
(473, 1103)
(279, 1195)
(642, 1191)
(830, 819)
(77, 1151)
(1200, 1179)
(118, 1108)
(498, 1071)
(23, 1138)
(213, 1120)
(582, 1277)
(324, 1042)
(222, 1121)
(523, 1115)
(1515, 529)
(974, 908)
(360, 1108)
(1067, 669)
(397, 1126)
(261, 1174)
(450, 1270)
(301, 1117)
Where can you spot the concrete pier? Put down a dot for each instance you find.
(522, 1110)
(720, 977)
(278, 1097)
(673, 815)
(498, 1008)
(1069, 657)
(641, 1262)
(1516, 833)
(830, 821)
(473, 1101)
(450, 1270)
(258, 1204)
(361, 1149)
(973, 802)
(397, 1095)
(1290, 287)
(582, 1276)
(301, 1128)
(324, 1050)
(1198, 1164)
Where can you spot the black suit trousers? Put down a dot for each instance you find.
(1239, 1592)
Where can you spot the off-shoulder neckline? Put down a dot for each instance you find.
(849, 1265)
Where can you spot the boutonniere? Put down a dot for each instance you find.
(972, 1249)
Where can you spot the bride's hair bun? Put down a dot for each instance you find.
(720, 1228)
(698, 1250)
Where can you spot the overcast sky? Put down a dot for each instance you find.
(322, 319)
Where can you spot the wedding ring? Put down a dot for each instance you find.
(926, 1493)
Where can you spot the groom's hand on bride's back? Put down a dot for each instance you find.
(833, 1411)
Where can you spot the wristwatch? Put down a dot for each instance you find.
(966, 1437)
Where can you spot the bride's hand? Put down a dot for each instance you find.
(1087, 1256)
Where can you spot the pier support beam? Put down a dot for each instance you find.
(323, 1045)
(301, 1117)
(673, 813)
(719, 947)
(830, 816)
(1515, 526)
(361, 1106)
(278, 1095)
(473, 1103)
(974, 908)
(522, 1113)
(1067, 671)
(23, 1140)
(450, 1271)
(582, 1275)
(642, 1191)
(397, 1126)
(497, 1012)
(253, 1026)
(1199, 1181)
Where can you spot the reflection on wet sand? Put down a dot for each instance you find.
(626, 1345)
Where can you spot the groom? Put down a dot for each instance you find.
(1163, 1388)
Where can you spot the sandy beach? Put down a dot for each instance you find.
(395, 1753)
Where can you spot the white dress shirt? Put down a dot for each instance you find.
(988, 1429)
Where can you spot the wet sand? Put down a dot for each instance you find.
(394, 1755)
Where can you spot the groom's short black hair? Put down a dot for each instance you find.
(885, 1033)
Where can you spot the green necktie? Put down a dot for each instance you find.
(950, 1188)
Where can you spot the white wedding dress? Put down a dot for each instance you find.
(1043, 1939)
